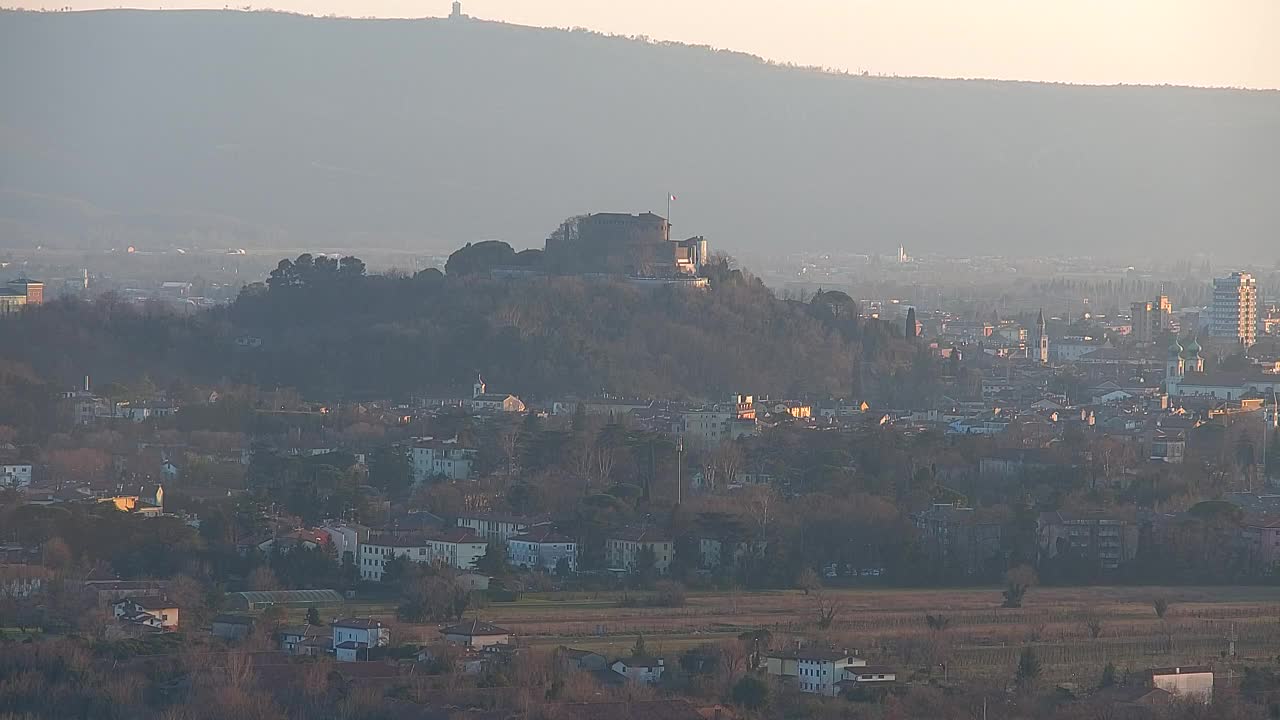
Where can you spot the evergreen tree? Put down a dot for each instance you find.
(1108, 676)
(750, 692)
(313, 616)
(1028, 669)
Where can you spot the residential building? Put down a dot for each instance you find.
(310, 640)
(11, 301)
(865, 675)
(1224, 385)
(813, 671)
(442, 459)
(1261, 535)
(149, 501)
(1072, 349)
(1168, 446)
(1107, 539)
(542, 549)
(499, 527)
(641, 670)
(345, 538)
(353, 637)
(20, 293)
(708, 428)
(1189, 682)
(458, 547)
(1234, 313)
(623, 549)
(476, 634)
(961, 538)
(159, 612)
(716, 551)
(15, 475)
(587, 660)
(1151, 319)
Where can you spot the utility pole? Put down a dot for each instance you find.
(679, 469)
(670, 197)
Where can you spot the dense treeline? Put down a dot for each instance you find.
(336, 332)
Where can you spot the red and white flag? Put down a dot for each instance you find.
(673, 197)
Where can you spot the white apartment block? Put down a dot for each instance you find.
(623, 548)
(542, 549)
(443, 460)
(457, 548)
(1234, 314)
(814, 671)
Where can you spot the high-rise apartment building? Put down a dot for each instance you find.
(1234, 314)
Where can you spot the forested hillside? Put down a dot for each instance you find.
(230, 129)
(339, 335)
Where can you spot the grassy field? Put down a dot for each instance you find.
(888, 626)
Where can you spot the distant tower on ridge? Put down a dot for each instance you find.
(457, 11)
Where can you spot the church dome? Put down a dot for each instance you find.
(1193, 349)
(1175, 350)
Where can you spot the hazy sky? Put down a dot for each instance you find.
(1185, 42)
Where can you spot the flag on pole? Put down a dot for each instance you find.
(673, 197)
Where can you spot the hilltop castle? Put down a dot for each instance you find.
(619, 243)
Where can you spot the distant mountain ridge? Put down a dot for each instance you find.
(261, 129)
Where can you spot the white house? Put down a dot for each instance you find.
(442, 459)
(345, 538)
(16, 475)
(156, 612)
(542, 548)
(352, 637)
(814, 671)
(1186, 682)
(643, 670)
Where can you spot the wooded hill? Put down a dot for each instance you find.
(332, 334)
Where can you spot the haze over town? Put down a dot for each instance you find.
(1224, 43)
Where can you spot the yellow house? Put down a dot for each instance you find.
(149, 501)
(157, 612)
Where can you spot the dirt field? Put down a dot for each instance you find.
(888, 626)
